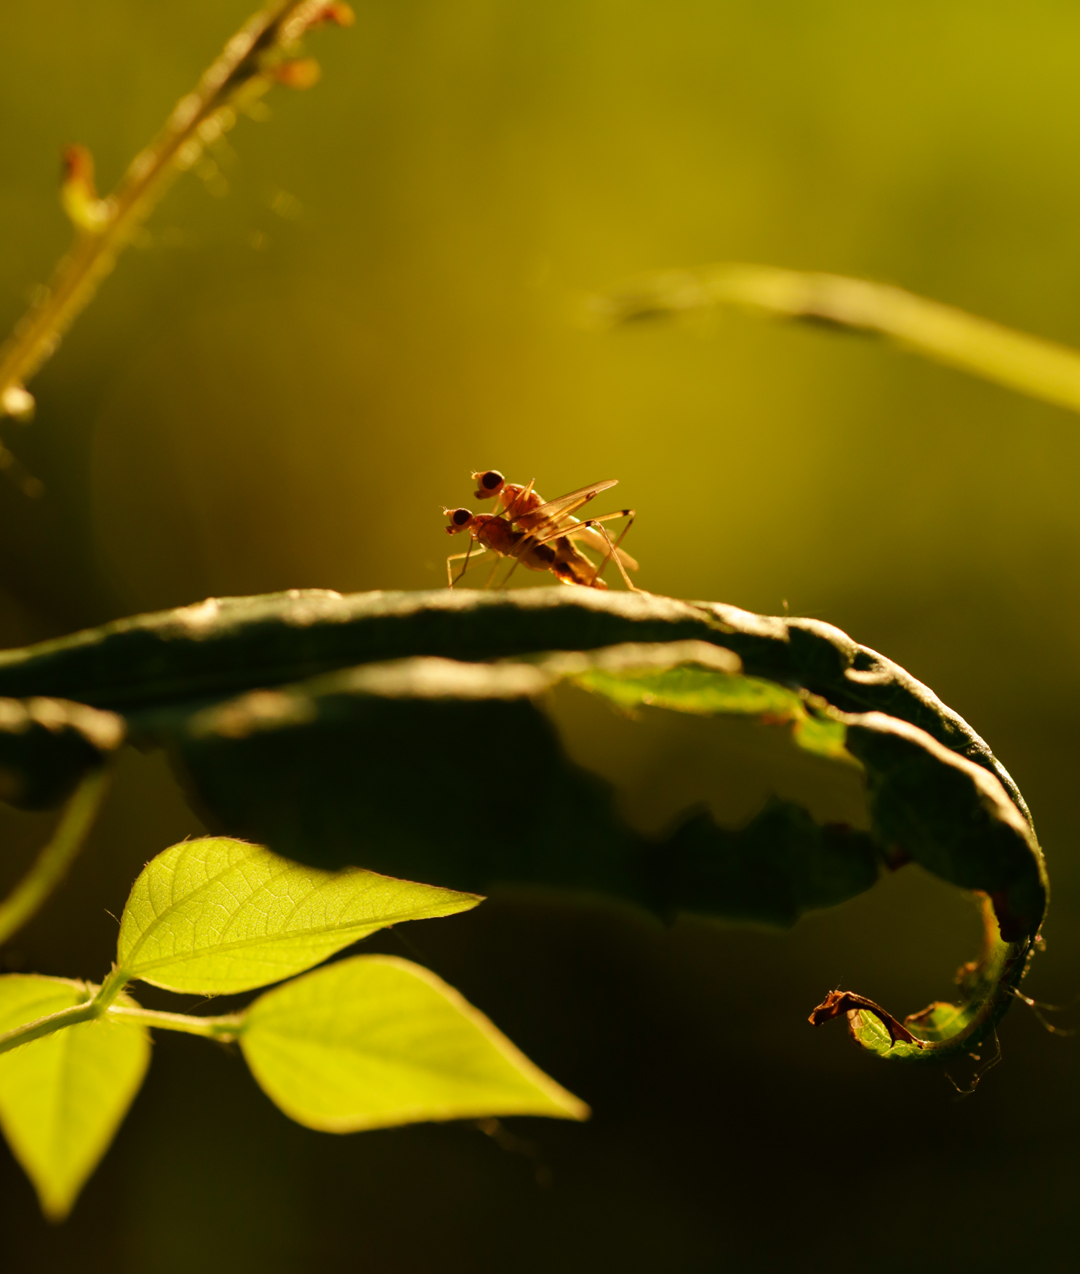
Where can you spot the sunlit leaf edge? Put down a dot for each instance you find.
(556, 1101)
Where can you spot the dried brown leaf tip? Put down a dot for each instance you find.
(78, 165)
(340, 15)
(299, 74)
(837, 1002)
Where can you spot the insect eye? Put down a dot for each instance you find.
(459, 517)
(492, 479)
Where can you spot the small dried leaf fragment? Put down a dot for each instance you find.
(837, 1002)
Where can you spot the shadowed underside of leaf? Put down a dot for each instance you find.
(314, 769)
(48, 745)
(375, 1041)
(63, 1097)
(780, 865)
(953, 818)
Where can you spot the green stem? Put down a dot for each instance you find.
(241, 74)
(1027, 364)
(111, 988)
(226, 1027)
(30, 1031)
(54, 860)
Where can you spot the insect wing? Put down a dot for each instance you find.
(555, 512)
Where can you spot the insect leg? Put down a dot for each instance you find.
(454, 557)
(613, 548)
(551, 532)
(494, 568)
(508, 573)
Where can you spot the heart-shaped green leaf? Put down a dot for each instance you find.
(216, 915)
(374, 1041)
(63, 1097)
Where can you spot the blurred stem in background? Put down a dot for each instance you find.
(1027, 364)
(261, 54)
(51, 865)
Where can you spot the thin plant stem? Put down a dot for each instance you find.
(251, 62)
(1028, 364)
(226, 1027)
(52, 864)
(42, 1026)
(111, 987)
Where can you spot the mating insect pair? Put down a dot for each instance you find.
(542, 535)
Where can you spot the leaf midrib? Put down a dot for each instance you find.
(263, 940)
(194, 893)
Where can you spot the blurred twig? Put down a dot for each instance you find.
(1027, 364)
(259, 55)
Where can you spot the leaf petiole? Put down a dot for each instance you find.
(111, 988)
(226, 1027)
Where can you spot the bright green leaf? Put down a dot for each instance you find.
(63, 1097)
(374, 1041)
(708, 692)
(215, 915)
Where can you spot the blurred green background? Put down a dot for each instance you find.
(369, 296)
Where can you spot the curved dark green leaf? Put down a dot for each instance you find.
(358, 730)
(222, 646)
(953, 817)
(369, 764)
(332, 766)
(317, 769)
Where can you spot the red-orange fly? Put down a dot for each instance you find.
(540, 534)
(528, 511)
